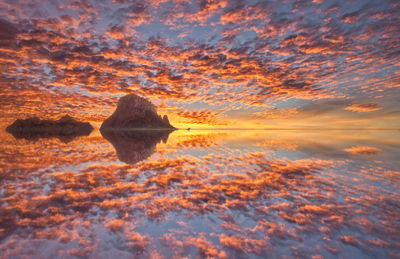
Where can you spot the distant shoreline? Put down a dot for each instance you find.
(263, 129)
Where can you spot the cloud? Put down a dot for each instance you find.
(8, 31)
(203, 117)
(369, 107)
(218, 56)
(362, 150)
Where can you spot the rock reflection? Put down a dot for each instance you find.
(133, 146)
(34, 136)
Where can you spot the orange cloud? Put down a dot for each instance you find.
(370, 107)
(359, 150)
(203, 117)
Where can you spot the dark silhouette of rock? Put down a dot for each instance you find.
(135, 145)
(134, 112)
(66, 128)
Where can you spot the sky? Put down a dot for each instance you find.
(204, 63)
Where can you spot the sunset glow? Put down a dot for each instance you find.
(199, 129)
(207, 63)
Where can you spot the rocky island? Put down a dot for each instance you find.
(65, 128)
(135, 112)
(135, 128)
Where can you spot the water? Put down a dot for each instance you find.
(226, 194)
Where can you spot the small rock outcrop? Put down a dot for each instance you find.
(65, 128)
(135, 112)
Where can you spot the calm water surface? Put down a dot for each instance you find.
(215, 194)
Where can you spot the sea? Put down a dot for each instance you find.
(283, 193)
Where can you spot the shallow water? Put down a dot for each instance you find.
(227, 194)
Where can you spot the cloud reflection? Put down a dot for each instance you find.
(223, 199)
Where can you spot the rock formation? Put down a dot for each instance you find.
(134, 112)
(66, 128)
(135, 145)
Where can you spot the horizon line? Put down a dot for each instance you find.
(296, 128)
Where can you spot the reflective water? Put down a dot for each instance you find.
(226, 194)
